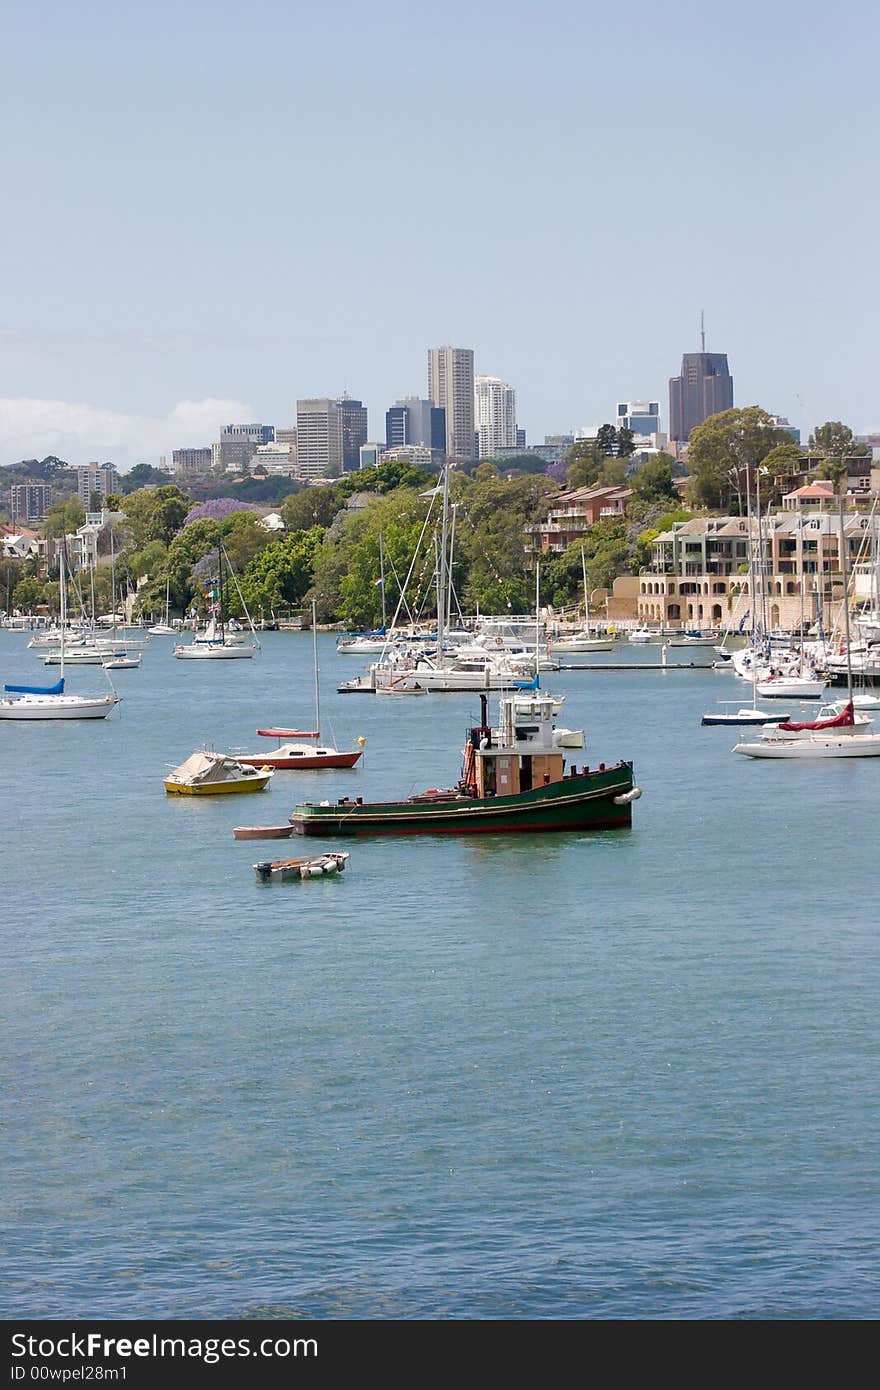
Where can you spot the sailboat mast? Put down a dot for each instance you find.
(315, 664)
(843, 570)
(586, 595)
(441, 571)
(449, 590)
(382, 577)
(62, 574)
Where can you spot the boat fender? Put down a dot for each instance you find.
(626, 797)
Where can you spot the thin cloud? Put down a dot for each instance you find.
(32, 428)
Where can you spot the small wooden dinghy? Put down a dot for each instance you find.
(314, 866)
(263, 832)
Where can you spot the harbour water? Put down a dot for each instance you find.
(623, 1075)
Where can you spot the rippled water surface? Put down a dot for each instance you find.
(633, 1074)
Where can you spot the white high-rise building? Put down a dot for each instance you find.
(451, 386)
(494, 415)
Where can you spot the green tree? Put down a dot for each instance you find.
(244, 538)
(725, 452)
(279, 576)
(142, 474)
(653, 481)
(612, 473)
(155, 514)
(314, 506)
(585, 462)
(834, 442)
(65, 518)
(625, 443)
(606, 440)
(27, 593)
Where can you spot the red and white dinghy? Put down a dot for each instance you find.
(262, 832)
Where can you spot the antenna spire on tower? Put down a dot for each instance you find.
(702, 330)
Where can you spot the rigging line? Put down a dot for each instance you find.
(230, 570)
(410, 571)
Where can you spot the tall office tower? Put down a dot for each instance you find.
(451, 386)
(642, 417)
(352, 417)
(414, 421)
(318, 438)
(704, 388)
(329, 435)
(495, 415)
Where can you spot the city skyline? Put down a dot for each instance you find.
(167, 279)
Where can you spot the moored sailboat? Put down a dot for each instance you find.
(216, 644)
(842, 735)
(304, 756)
(31, 702)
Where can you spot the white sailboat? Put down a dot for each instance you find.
(843, 735)
(50, 702)
(585, 640)
(164, 629)
(215, 644)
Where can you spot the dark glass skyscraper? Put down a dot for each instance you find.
(704, 388)
(415, 421)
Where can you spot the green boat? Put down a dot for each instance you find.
(514, 779)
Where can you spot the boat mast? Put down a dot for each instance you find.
(63, 588)
(441, 572)
(382, 577)
(586, 595)
(843, 569)
(220, 595)
(449, 588)
(315, 664)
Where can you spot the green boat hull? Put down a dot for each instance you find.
(599, 800)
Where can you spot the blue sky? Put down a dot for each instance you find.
(215, 208)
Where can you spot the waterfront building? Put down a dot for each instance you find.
(573, 515)
(29, 502)
(704, 388)
(451, 387)
(494, 415)
(700, 569)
